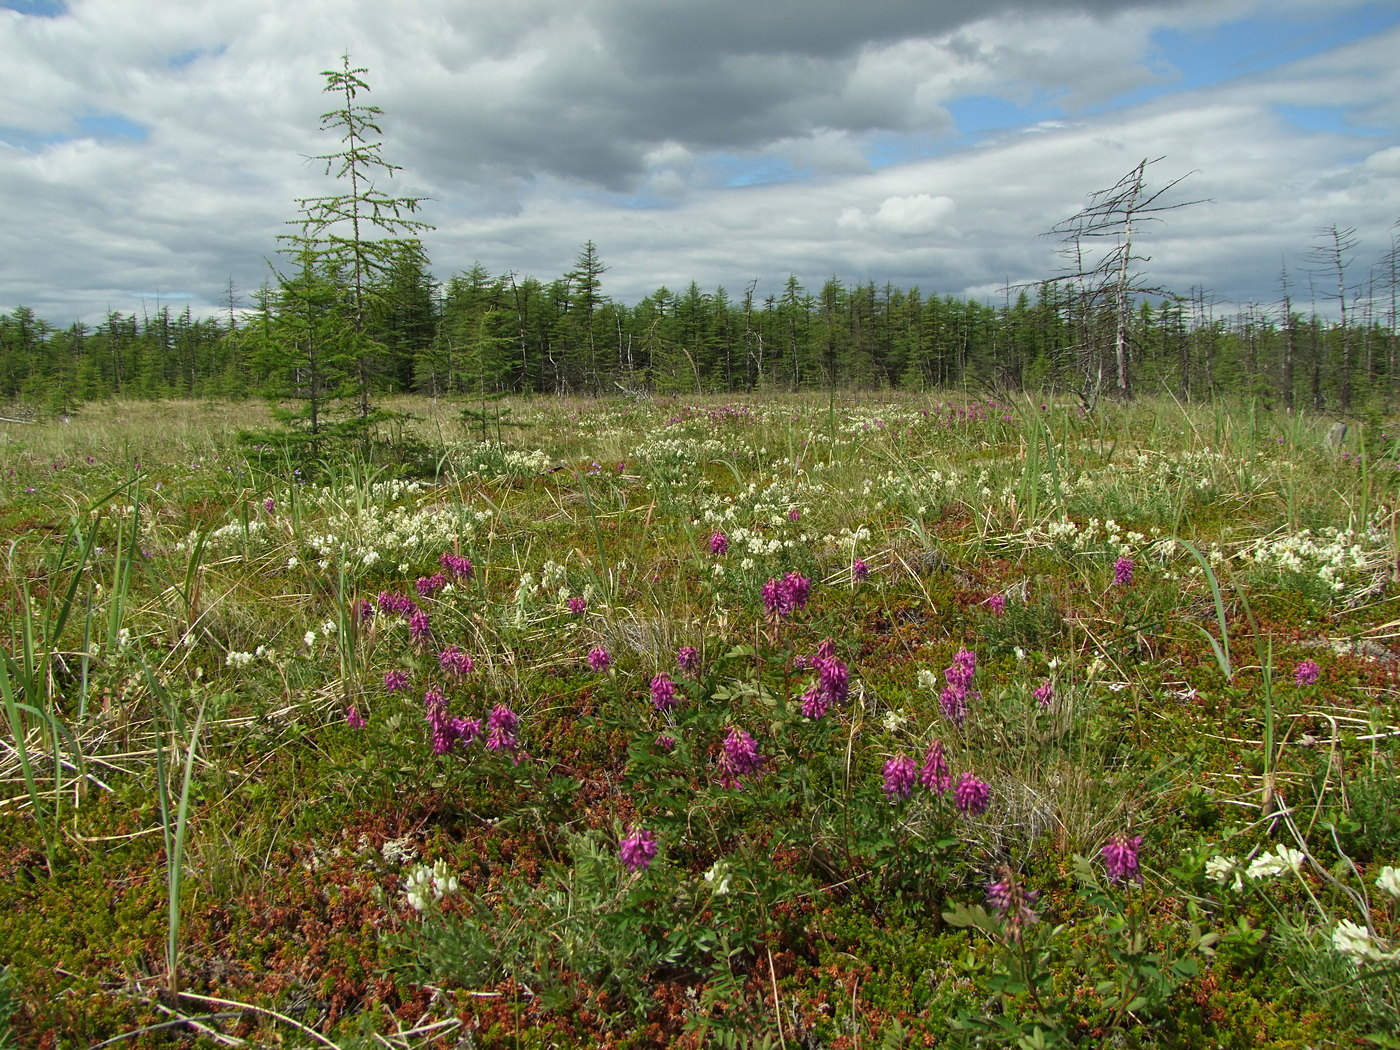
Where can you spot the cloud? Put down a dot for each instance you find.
(715, 140)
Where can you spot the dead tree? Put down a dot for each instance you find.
(1103, 274)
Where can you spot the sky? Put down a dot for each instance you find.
(152, 151)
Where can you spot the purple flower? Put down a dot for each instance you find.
(430, 585)
(1306, 673)
(578, 606)
(794, 515)
(269, 504)
(972, 796)
(666, 742)
(1044, 693)
(688, 658)
(599, 659)
(997, 603)
(1120, 857)
(353, 718)
(443, 725)
(1012, 902)
(455, 661)
(1123, 572)
(399, 604)
(396, 681)
(738, 758)
(637, 850)
(860, 570)
(784, 597)
(954, 699)
(459, 566)
(364, 610)
(934, 774)
(899, 777)
(418, 627)
(466, 729)
(500, 728)
(663, 692)
(719, 543)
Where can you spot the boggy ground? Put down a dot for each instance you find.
(780, 721)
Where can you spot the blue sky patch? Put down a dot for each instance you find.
(38, 8)
(111, 126)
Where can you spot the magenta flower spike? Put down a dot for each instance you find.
(1120, 858)
(1307, 672)
(1123, 572)
(972, 796)
(934, 774)
(899, 777)
(637, 850)
(599, 659)
(663, 692)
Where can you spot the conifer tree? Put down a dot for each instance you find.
(361, 234)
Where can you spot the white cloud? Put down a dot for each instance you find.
(537, 125)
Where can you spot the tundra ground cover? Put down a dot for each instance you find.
(764, 722)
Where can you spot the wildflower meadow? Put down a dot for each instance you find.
(811, 721)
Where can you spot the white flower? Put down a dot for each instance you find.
(1222, 868)
(719, 878)
(1267, 865)
(1351, 939)
(309, 638)
(425, 885)
(1389, 881)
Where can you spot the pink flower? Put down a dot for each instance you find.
(719, 543)
(997, 603)
(1012, 902)
(738, 758)
(899, 777)
(353, 718)
(1044, 693)
(666, 742)
(418, 627)
(455, 661)
(860, 570)
(459, 566)
(429, 585)
(500, 728)
(1120, 858)
(578, 606)
(637, 850)
(1123, 572)
(687, 658)
(1306, 673)
(935, 775)
(972, 796)
(396, 681)
(663, 692)
(784, 597)
(599, 659)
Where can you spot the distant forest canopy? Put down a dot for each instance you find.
(481, 333)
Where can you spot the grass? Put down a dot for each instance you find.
(199, 848)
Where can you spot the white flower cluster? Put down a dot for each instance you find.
(235, 535)
(1266, 865)
(381, 492)
(239, 660)
(1330, 554)
(398, 535)
(679, 451)
(497, 461)
(1356, 941)
(426, 886)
